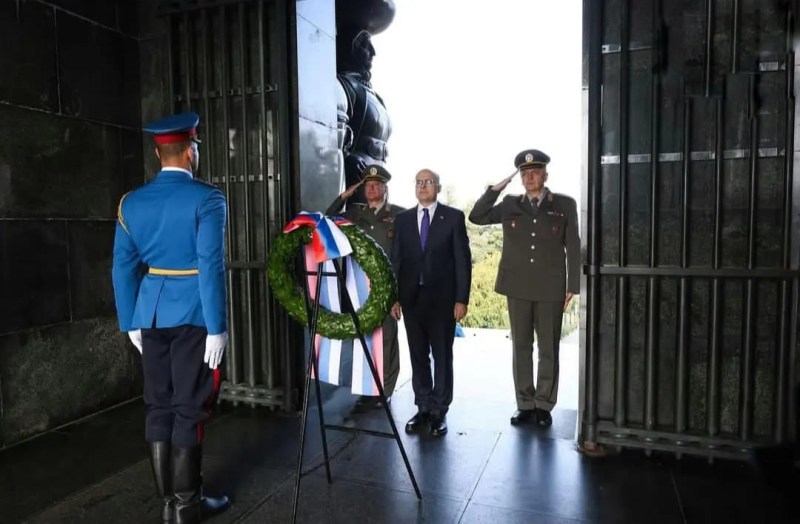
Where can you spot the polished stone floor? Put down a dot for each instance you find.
(483, 471)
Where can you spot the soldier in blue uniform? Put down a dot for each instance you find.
(169, 287)
(538, 274)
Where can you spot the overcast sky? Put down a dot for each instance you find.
(470, 84)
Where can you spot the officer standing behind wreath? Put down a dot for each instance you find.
(174, 311)
(376, 218)
(539, 228)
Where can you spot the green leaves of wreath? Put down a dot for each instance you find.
(368, 254)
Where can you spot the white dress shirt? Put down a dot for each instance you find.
(543, 193)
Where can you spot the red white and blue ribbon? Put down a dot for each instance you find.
(328, 243)
(327, 240)
(329, 351)
(363, 384)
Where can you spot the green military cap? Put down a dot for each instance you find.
(531, 158)
(376, 172)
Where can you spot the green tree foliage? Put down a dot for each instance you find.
(487, 309)
(484, 241)
(571, 317)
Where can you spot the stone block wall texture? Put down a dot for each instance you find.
(70, 146)
(78, 79)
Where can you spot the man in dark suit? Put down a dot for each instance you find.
(538, 273)
(433, 265)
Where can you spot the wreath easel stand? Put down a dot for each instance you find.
(312, 309)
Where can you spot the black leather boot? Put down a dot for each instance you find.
(187, 482)
(162, 474)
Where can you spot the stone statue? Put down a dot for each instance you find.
(343, 130)
(364, 125)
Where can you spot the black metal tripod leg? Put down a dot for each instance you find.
(347, 304)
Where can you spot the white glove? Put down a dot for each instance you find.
(136, 338)
(215, 348)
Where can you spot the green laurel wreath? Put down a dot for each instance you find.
(368, 254)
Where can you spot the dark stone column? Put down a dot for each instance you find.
(315, 110)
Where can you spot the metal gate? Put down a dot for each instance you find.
(691, 225)
(228, 62)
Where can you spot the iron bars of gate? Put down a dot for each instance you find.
(691, 234)
(228, 62)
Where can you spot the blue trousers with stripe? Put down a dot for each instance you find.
(179, 388)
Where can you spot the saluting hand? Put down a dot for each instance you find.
(350, 190)
(502, 185)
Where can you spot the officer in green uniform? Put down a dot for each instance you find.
(538, 274)
(376, 217)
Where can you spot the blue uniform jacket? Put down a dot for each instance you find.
(171, 224)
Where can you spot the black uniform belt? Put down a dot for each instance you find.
(172, 272)
(372, 146)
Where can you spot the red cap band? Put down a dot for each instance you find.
(176, 138)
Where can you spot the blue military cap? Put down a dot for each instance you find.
(174, 129)
(531, 158)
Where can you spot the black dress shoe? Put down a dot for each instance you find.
(210, 506)
(544, 418)
(438, 427)
(522, 416)
(416, 422)
(364, 403)
(379, 402)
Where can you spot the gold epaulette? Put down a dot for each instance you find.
(119, 213)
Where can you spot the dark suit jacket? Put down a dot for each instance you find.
(446, 262)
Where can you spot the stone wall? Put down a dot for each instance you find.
(70, 146)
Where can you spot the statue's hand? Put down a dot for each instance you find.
(355, 164)
(350, 190)
(502, 185)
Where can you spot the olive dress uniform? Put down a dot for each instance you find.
(539, 264)
(380, 226)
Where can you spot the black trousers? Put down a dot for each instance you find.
(179, 388)
(430, 326)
